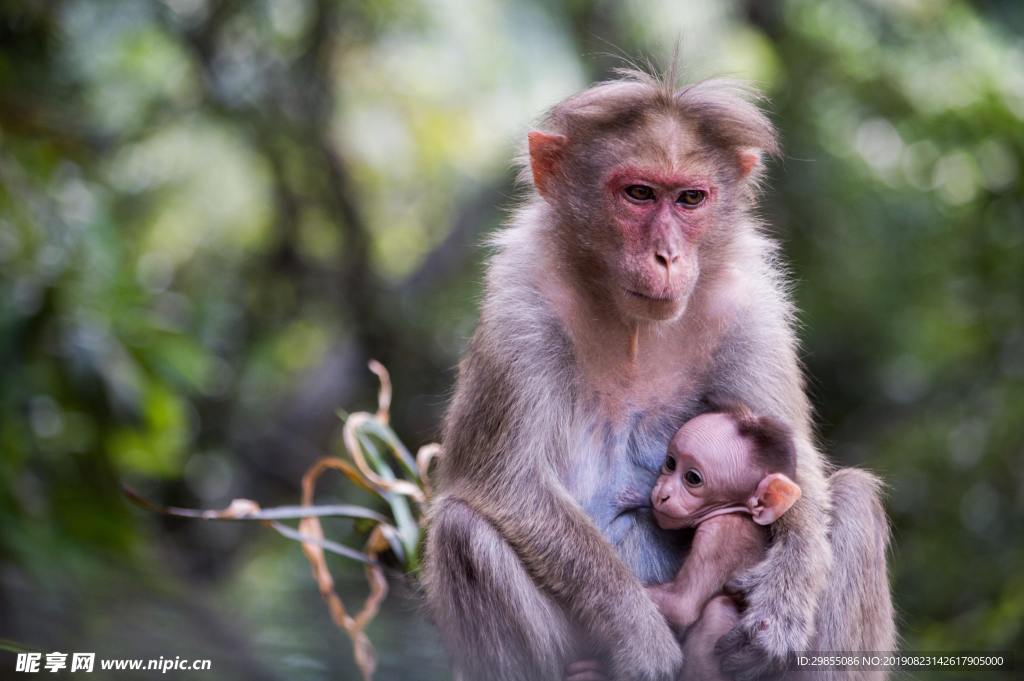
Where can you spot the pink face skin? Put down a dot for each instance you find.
(707, 472)
(660, 215)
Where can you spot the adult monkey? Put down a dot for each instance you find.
(630, 293)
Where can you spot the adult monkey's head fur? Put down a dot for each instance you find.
(647, 182)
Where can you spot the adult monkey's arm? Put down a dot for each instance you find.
(758, 367)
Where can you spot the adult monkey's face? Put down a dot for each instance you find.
(640, 208)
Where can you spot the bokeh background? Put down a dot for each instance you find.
(212, 214)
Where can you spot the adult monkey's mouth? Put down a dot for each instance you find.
(663, 298)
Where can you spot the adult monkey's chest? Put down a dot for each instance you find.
(622, 419)
(613, 470)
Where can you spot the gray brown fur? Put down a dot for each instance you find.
(540, 536)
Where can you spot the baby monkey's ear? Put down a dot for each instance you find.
(773, 497)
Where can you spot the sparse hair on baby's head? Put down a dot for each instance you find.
(773, 441)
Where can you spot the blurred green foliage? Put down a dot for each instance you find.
(212, 213)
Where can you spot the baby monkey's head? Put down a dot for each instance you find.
(726, 462)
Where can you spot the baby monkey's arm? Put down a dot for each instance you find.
(722, 547)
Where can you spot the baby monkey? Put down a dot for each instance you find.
(728, 474)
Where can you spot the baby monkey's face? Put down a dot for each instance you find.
(710, 470)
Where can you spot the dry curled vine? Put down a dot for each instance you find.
(369, 447)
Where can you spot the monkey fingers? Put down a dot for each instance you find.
(742, 659)
(735, 590)
(586, 670)
(678, 608)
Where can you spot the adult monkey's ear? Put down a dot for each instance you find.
(775, 494)
(545, 159)
(749, 161)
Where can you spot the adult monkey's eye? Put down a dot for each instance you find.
(693, 478)
(691, 198)
(670, 464)
(639, 192)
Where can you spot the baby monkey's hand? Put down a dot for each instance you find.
(678, 610)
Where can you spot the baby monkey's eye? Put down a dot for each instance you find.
(670, 464)
(693, 478)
